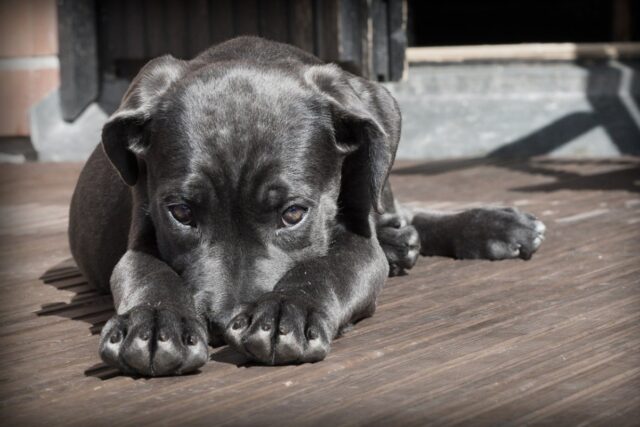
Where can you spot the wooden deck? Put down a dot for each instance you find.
(555, 340)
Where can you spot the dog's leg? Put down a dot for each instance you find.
(156, 330)
(485, 233)
(297, 321)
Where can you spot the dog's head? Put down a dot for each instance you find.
(243, 171)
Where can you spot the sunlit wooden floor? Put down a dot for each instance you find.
(555, 340)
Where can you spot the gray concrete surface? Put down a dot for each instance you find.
(55, 139)
(520, 109)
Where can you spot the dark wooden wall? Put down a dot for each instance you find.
(117, 37)
(365, 36)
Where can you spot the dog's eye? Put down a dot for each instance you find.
(181, 213)
(293, 215)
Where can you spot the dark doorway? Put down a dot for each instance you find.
(472, 22)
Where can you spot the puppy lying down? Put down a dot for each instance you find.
(242, 198)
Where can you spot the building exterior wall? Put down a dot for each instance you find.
(28, 60)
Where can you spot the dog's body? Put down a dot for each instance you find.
(238, 198)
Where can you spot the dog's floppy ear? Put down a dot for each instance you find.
(122, 135)
(366, 122)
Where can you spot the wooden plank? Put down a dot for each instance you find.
(176, 28)
(397, 39)
(273, 20)
(155, 29)
(379, 13)
(78, 54)
(246, 17)
(350, 21)
(221, 20)
(134, 29)
(301, 24)
(198, 27)
(110, 34)
(366, 40)
(326, 15)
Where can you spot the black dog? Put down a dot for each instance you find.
(238, 198)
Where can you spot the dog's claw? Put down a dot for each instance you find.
(312, 334)
(116, 337)
(239, 323)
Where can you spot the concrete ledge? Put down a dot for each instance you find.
(524, 52)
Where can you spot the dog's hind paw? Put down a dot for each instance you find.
(153, 342)
(499, 233)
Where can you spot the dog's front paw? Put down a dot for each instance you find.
(154, 342)
(499, 233)
(281, 328)
(400, 243)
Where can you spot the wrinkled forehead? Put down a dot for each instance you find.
(246, 120)
(246, 97)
